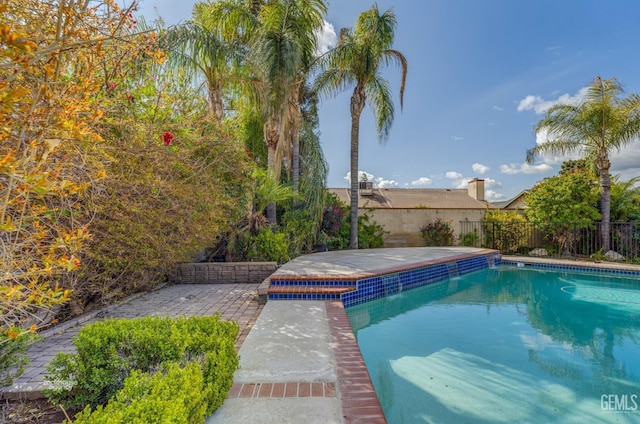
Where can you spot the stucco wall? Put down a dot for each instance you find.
(404, 225)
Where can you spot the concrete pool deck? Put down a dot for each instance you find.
(299, 359)
(357, 264)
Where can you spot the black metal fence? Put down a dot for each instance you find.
(558, 239)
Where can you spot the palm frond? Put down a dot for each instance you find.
(394, 56)
(379, 96)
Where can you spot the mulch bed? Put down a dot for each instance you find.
(32, 411)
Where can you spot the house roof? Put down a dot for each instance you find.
(414, 198)
(515, 203)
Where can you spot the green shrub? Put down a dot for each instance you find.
(437, 233)
(300, 230)
(14, 343)
(370, 233)
(506, 231)
(109, 351)
(269, 246)
(470, 239)
(173, 395)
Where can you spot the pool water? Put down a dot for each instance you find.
(505, 345)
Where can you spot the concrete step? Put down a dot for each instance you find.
(313, 292)
(310, 282)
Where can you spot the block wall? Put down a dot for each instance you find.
(223, 272)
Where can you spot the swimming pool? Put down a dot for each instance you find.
(506, 345)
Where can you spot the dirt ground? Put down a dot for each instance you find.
(38, 411)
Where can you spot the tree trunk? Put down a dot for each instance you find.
(295, 166)
(295, 149)
(271, 138)
(357, 104)
(605, 205)
(216, 105)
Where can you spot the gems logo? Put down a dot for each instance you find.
(619, 403)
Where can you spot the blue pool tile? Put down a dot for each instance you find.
(558, 267)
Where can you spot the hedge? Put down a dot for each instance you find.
(134, 364)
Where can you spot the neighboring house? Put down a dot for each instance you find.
(516, 204)
(403, 211)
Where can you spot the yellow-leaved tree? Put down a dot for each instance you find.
(109, 173)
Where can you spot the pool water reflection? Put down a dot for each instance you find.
(506, 345)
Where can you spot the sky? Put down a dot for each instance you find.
(481, 74)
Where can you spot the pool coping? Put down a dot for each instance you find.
(357, 395)
(616, 268)
(280, 276)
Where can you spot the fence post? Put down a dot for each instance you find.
(493, 235)
(575, 241)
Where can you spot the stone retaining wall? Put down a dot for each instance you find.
(223, 272)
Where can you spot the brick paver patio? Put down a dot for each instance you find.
(237, 302)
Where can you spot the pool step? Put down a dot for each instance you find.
(308, 292)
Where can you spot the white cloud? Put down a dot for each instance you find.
(379, 182)
(628, 158)
(422, 182)
(369, 176)
(327, 38)
(455, 138)
(542, 136)
(498, 108)
(491, 183)
(537, 103)
(626, 162)
(460, 181)
(457, 179)
(382, 183)
(492, 196)
(525, 168)
(478, 168)
(541, 106)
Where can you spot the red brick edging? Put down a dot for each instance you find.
(360, 403)
(282, 390)
(354, 388)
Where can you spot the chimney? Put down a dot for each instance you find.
(475, 189)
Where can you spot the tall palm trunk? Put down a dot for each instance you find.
(603, 163)
(216, 106)
(605, 203)
(295, 142)
(272, 137)
(357, 105)
(295, 165)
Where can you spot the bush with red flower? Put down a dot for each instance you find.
(167, 137)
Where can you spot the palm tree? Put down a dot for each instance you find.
(356, 61)
(625, 199)
(268, 81)
(198, 48)
(595, 127)
(281, 37)
(282, 54)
